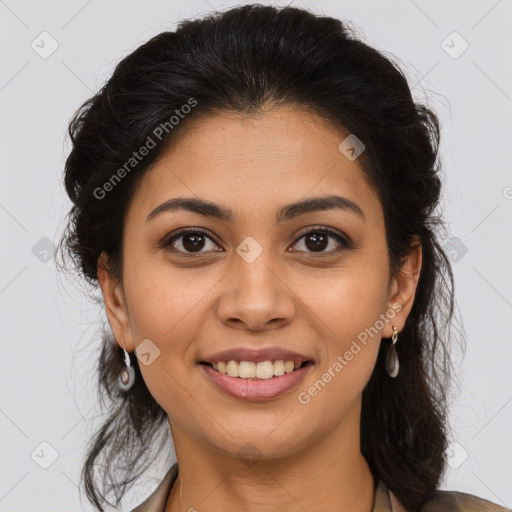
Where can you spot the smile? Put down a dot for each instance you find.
(251, 381)
(263, 370)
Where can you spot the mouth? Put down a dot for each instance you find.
(263, 370)
(256, 382)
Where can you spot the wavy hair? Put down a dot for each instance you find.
(242, 61)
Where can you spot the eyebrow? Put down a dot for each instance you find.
(287, 212)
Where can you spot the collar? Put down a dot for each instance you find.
(385, 500)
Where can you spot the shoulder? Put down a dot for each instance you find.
(456, 501)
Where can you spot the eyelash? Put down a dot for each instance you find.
(166, 244)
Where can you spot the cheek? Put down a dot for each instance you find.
(349, 321)
(165, 304)
(168, 307)
(349, 301)
(349, 307)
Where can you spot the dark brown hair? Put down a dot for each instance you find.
(243, 60)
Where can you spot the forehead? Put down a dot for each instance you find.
(278, 138)
(244, 161)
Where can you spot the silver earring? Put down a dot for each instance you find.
(392, 364)
(126, 378)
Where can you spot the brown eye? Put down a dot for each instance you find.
(189, 242)
(318, 240)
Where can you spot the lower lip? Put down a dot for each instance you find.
(257, 389)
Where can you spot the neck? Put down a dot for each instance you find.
(329, 475)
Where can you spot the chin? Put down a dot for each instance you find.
(255, 446)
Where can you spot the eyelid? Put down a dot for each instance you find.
(167, 241)
(324, 229)
(344, 240)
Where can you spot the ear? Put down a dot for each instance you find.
(115, 304)
(403, 288)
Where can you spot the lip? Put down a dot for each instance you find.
(256, 355)
(254, 389)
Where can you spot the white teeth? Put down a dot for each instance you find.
(288, 366)
(263, 370)
(246, 370)
(232, 369)
(279, 367)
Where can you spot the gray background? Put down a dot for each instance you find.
(49, 330)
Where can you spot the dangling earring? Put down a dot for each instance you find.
(392, 365)
(126, 378)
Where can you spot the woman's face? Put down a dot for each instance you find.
(254, 281)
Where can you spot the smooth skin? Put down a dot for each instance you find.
(298, 294)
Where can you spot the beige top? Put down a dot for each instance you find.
(385, 500)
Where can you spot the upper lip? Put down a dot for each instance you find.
(256, 355)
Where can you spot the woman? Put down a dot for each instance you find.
(255, 193)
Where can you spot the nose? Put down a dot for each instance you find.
(255, 296)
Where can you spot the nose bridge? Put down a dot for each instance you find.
(254, 293)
